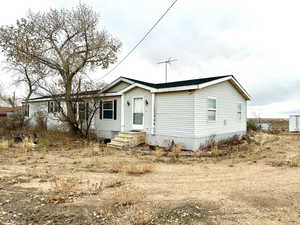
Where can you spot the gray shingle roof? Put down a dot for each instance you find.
(178, 83)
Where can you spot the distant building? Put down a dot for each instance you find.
(8, 111)
(265, 126)
(294, 123)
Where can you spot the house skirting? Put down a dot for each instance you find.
(106, 133)
(190, 143)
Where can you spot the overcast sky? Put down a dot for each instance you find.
(258, 41)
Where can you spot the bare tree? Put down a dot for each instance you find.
(9, 100)
(26, 75)
(85, 102)
(65, 43)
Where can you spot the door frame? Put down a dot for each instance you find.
(137, 127)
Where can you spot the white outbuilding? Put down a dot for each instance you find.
(294, 123)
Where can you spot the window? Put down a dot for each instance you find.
(212, 109)
(108, 110)
(74, 108)
(26, 110)
(54, 107)
(82, 111)
(138, 111)
(239, 111)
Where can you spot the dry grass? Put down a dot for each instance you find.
(4, 144)
(62, 189)
(176, 151)
(32, 172)
(193, 177)
(65, 185)
(139, 215)
(95, 188)
(261, 201)
(126, 196)
(114, 183)
(139, 169)
(159, 152)
(117, 166)
(131, 168)
(290, 162)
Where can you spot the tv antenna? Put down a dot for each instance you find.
(167, 62)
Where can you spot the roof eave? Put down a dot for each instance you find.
(200, 86)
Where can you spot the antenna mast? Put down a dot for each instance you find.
(166, 62)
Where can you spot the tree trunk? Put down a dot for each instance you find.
(71, 117)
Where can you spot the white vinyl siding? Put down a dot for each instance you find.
(226, 115)
(105, 127)
(174, 114)
(128, 109)
(118, 87)
(53, 121)
(239, 111)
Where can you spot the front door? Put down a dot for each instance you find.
(138, 114)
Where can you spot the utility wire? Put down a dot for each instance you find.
(143, 38)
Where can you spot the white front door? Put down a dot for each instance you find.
(138, 113)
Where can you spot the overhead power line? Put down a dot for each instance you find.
(143, 38)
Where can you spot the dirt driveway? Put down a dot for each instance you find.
(259, 183)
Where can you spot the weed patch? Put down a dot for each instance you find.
(192, 213)
(131, 168)
(126, 196)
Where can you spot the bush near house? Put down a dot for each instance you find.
(252, 125)
(12, 125)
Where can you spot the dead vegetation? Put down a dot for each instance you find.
(131, 168)
(126, 196)
(289, 162)
(63, 189)
(233, 182)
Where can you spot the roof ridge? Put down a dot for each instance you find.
(214, 77)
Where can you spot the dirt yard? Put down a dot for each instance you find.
(71, 182)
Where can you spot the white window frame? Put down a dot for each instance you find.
(135, 126)
(239, 110)
(112, 110)
(211, 109)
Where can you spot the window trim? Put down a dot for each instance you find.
(212, 109)
(135, 126)
(112, 109)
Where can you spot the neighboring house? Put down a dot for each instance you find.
(188, 112)
(8, 111)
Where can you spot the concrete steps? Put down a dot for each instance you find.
(127, 139)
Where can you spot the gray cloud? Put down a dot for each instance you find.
(208, 38)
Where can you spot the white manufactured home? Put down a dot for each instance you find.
(188, 112)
